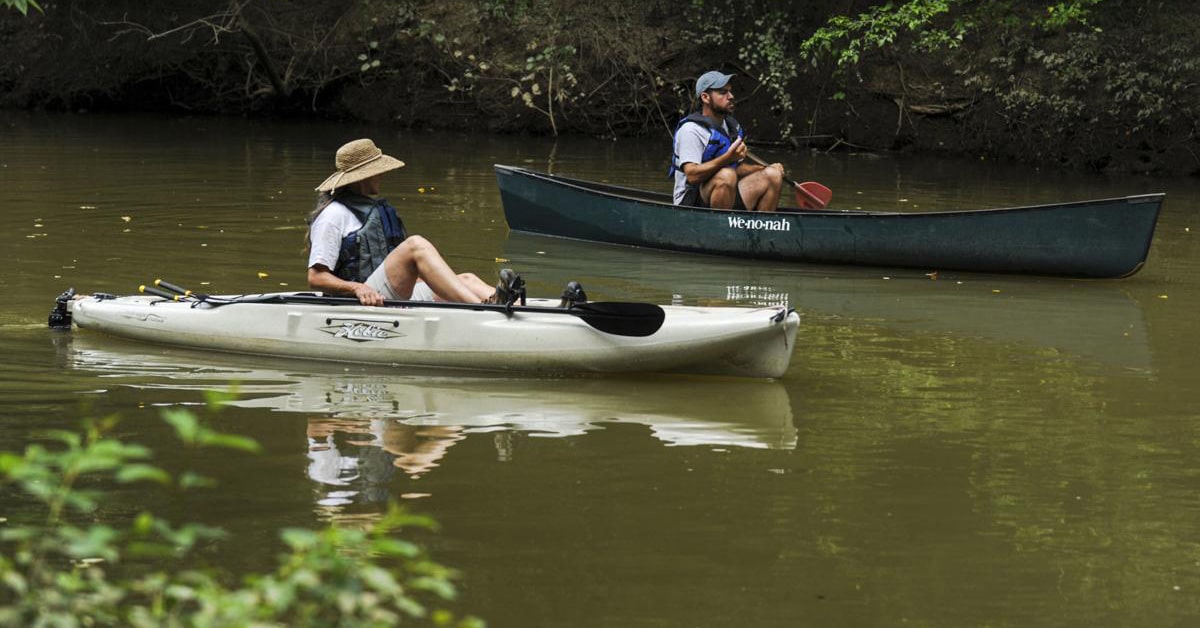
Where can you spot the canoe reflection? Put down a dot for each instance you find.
(373, 421)
(1095, 320)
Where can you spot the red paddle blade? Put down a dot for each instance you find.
(812, 195)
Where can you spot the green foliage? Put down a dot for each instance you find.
(929, 26)
(540, 74)
(767, 51)
(847, 39)
(62, 564)
(21, 5)
(1063, 14)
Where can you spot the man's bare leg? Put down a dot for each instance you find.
(718, 191)
(760, 190)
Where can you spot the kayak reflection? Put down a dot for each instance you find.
(1097, 321)
(366, 423)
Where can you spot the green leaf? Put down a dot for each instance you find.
(142, 472)
(438, 586)
(379, 579)
(298, 539)
(187, 426)
(233, 441)
(395, 547)
(191, 479)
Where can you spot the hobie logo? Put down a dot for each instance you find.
(738, 222)
(359, 331)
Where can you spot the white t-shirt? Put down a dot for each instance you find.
(690, 142)
(332, 225)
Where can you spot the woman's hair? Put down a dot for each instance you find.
(323, 201)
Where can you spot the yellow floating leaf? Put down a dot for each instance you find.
(262, 275)
(933, 275)
(126, 218)
(1162, 296)
(501, 260)
(283, 283)
(995, 292)
(421, 190)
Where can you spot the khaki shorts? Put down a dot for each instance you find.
(378, 281)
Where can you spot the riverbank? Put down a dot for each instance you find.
(1109, 88)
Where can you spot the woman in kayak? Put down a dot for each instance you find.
(357, 243)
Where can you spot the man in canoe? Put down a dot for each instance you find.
(357, 243)
(708, 162)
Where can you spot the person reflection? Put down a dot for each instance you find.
(355, 460)
(352, 469)
(418, 448)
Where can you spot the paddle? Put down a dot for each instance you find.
(809, 195)
(619, 319)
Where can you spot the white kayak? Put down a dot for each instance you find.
(540, 337)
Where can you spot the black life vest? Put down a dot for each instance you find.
(365, 249)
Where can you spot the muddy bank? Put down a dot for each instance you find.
(1112, 92)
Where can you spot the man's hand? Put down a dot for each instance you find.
(736, 152)
(367, 295)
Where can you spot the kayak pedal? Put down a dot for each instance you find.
(60, 316)
(510, 289)
(572, 295)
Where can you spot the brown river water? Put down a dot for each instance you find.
(975, 450)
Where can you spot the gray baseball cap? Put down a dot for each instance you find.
(711, 80)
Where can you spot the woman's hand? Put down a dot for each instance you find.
(367, 295)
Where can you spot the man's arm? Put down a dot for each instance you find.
(699, 173)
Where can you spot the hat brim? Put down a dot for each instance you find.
(384, 163)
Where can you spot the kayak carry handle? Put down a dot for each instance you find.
(158, 292)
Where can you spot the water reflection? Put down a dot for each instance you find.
(366, 424)
(1097, 321)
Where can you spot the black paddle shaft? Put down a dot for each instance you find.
(617, 318)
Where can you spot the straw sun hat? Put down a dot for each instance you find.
(358, 160)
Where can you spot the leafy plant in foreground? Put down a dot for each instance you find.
(62, 565)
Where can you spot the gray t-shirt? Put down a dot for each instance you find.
(690, 142)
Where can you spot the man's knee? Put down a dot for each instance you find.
(725, 177)
(774, 177)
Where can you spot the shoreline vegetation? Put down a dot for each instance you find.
(1100, 85)
(71, 556)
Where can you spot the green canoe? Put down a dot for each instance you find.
(1097, 239)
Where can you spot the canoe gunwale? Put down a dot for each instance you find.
(646, 197)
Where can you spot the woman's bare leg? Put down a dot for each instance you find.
(416, 258)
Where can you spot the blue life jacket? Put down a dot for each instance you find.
(718, 141)
(364, 250)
